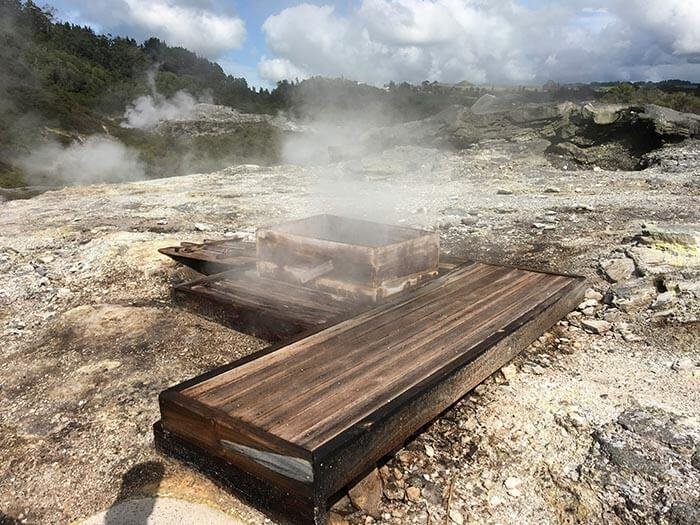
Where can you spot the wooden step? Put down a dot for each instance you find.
(298, 421)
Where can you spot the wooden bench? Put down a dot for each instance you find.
(293, 424)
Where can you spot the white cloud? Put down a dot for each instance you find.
(190, 24)
(278, 69)
(485, 41)
(673, 24)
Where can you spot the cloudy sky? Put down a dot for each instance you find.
(375, 41)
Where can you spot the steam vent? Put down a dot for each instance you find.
(375, 335)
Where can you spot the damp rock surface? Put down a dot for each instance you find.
(596, 425)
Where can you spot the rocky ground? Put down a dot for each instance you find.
(598, 421)
(212, 119)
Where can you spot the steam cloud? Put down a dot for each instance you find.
(359, 174)
(147, 111)
(97, 159)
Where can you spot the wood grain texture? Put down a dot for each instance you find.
(312, 390)
(347, 393)
(369, 260)
(212, 257)
(265, 308)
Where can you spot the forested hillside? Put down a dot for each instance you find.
(60, 79)
(61, 83)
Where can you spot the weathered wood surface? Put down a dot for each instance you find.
(210, 257)
(266, 308)
(369, 261)
(311, 415)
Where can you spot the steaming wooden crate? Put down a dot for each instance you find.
(349, 257)
(266, 308)
(293, 424)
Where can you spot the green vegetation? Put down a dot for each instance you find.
(166, 155)
(676, 95)
(11, 178)
(60, 81)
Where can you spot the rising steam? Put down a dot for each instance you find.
(101, 158)
(96, 159)
(147, 111)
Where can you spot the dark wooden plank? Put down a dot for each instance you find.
(310, 416)
(369, 321)
(357, 365)
(371, 351)
(212, 257)
(391, 380)
(361, 380)
(264, 308)
(356, 450)
(447, 265)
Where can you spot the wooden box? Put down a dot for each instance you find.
(349, 257)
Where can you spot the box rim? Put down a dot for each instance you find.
(420, 232)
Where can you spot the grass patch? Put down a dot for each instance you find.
(11, 178)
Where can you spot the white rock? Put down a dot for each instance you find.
(618, 269)
(588, 312)
(683, 364)
(594, 295)
(509, 372)
(631, 337)
(596, 326)
(429, 451)
(587, 304)
(64, 293)
(512, 482)
(663, 300)
(456, 516)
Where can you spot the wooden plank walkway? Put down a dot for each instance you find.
(295, 423)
